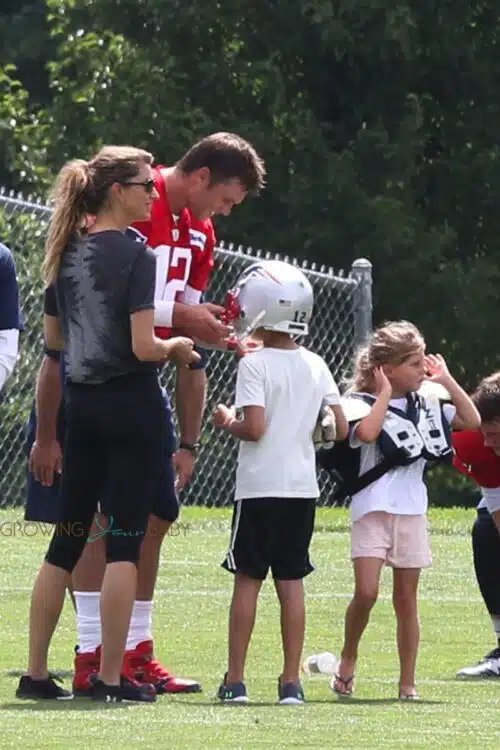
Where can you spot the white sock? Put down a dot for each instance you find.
(140, 624)
(88, 620)
(495, 619)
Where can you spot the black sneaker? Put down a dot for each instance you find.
(128, 691)
(487, 669)
(232, 692)
(290, 694)
(46, 689)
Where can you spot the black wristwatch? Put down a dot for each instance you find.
(193, 447)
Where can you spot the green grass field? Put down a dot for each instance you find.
(192, 600)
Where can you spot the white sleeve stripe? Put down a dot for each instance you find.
(4, 374)
(491, 493)
(9, 342)
(164, 313)
(196, 243)
(197, 239)
(491, 496)
(9, 347)
(192, 296)
(196, 234)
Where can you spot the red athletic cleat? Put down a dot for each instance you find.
(141, 663)
(88, 665)
(85, 665)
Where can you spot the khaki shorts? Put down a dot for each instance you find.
(401, 541)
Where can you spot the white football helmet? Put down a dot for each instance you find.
(273, 295)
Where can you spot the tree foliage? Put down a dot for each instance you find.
(377, 118)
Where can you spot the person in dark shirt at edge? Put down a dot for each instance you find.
(116, 431)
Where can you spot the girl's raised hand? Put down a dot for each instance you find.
(436, 368)
(382, 382)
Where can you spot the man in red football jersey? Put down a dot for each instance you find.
(215, 175)
(477, 455)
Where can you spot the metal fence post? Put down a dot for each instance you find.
(361, 270)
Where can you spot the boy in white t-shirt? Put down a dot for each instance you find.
(280, 389)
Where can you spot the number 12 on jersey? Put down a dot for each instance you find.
(173, 265)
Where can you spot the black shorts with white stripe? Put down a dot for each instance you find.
(271, 533)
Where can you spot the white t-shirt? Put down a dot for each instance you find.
(291, 385)
(400, 490)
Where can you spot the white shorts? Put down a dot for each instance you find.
(401, 541)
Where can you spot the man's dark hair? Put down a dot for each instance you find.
(228, 157)
(486, 398)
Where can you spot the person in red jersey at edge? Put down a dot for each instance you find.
(213, 177)
(477, 455)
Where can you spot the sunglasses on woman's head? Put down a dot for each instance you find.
(148, 185)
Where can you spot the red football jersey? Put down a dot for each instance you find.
(474, 459)
(184, 248)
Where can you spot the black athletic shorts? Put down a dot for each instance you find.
(114, 451)
(271, 533)
(486, 551)
(43, 504)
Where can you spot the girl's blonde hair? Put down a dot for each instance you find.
(391, 344)
(81, 188)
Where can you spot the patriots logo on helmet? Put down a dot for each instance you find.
(270, 294)
(257, 270)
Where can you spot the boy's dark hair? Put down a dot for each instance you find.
(486, 398)
(228, 157)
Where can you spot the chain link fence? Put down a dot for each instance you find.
(341, 322)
